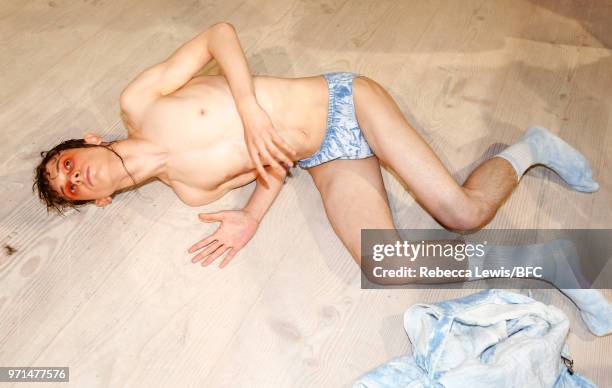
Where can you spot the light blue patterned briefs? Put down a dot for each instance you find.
(343, 137)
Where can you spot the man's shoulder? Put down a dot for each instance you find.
(133, 105)
(130, 124)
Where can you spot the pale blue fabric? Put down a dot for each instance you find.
(595, 309)
(539, 146)
(343, 137)
(493, 338)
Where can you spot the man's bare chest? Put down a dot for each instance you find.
(202, 133)
(195, 116)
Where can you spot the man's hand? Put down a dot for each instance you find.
(237, 228)
(263, 143)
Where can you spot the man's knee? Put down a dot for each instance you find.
(467, 219)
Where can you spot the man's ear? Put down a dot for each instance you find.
(92, 138)
(103, 201)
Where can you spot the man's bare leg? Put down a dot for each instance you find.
(397, 144)
(354, 197)
(475, 203)
(490, 185)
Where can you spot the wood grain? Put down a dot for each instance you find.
(112, 293)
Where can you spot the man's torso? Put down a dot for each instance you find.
(199, 127)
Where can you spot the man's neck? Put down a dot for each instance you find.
(144, 160)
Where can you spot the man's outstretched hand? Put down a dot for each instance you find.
(236, 229)
(265, 146)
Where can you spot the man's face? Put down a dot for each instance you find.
(82, 173)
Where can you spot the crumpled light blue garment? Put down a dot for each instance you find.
(493, 338)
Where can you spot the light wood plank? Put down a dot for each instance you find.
(112, 292)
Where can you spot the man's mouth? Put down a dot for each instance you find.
(89, 178)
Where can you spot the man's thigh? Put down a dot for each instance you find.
(354, 197)
(396, 143)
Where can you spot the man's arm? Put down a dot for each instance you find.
(262, 197)
(221, 43)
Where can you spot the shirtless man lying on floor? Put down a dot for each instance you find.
(206, 135)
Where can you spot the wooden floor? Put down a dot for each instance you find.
(112, 293)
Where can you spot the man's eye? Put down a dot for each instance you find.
(72, 189)
(67, 164)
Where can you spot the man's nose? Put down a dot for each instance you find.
(76, 178)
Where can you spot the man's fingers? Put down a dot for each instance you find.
(215, 254)
(255, 157)
(229, 257)
(210, 249)
(202, 243)
(253, 149)
(210, 217)
(271, 161)
(279, 155)
(279, 141)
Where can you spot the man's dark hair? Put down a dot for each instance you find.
(49, 196)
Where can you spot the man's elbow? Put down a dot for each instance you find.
(224, 27)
